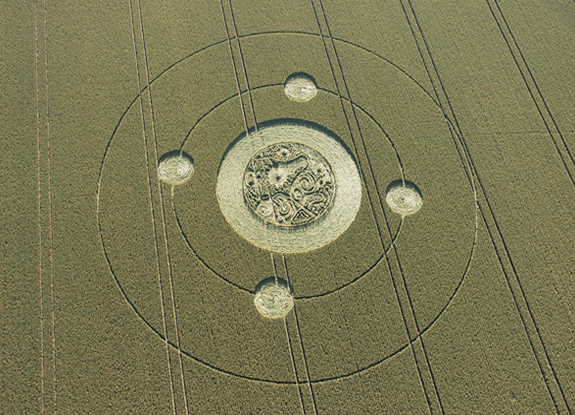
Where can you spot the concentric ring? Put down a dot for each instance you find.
(190, 143)
(107, 214)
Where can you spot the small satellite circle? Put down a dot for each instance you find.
(175, 167)
(404, 198)
(307, 193)
(300, 87)
(273, 298)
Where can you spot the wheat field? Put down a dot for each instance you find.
(428, 263)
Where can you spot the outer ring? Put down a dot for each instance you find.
(324, 230)
(206, 364)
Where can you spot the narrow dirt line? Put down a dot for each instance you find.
(308, 378)
(50, 216)
(511, 276)
(162, 212)
(298, 385)
(251, 103)
(144, 136)
(39, 177)
(341, 86)
(534, 91)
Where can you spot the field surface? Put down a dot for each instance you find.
(120, 293)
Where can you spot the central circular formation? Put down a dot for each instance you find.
(288, 184)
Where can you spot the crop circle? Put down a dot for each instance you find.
(404, 198)
(288, 184)
(290, 239)
(300, 87)
(126, 247)
(273, 299)
(175, 167)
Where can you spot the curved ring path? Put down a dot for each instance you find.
(204, 363)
